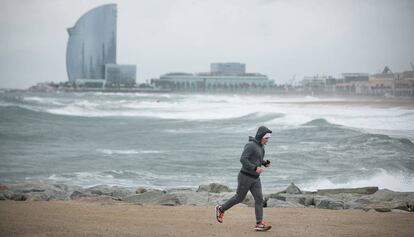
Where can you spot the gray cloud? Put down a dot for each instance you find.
(277, 38)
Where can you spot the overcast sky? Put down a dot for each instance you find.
(278, 38)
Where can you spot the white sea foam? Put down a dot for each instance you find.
(216, 107)
(382, 179)
(127, 152)
(89, 179)
(44, 100)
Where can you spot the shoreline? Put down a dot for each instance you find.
(39, 209)
(361, 198)
(111, 218)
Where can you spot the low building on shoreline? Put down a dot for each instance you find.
(223, 77)
(386, 83)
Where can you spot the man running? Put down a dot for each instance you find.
(249, 177)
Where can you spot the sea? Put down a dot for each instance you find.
(172, 140)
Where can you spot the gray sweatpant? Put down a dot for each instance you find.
(246, 183)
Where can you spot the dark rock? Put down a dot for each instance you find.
(141, 190)
(169, 200)
(358, 203)
(113, 191)
(217, 198)
(19, 197)
(308, 200)
(276, 196)
(273, 202)
(3, 187)
(249, 200)
(150, 197)
(410, 206)
(293, 189)
(214, 188)
(329, 203)
(382, 209)
(388, 195)
(301, 200)
(39, 191)
(7, 194)
(193, 198)
(364, 190)
(41, 196)
(398, 205)
(29, 187)
(77, 194)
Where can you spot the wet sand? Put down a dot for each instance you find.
(80, 218)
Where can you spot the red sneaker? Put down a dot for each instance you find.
(262, 226)
(219, 214)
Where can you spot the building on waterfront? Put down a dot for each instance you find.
(228, 68)
(120, 75)
(317, 84)
(404, 84)
(352, 83)
(221, 78)
(379, 84)
(352, 77)
(92, 46)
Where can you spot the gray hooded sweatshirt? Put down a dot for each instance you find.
(253, 153)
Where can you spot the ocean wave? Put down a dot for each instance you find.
(127, 152)
(318, 122)
(43, 101)
(382, 179)
(379, 140)
(129, 178)
(89, 179)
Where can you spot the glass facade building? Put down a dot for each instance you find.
(92, 43)
(120, 74)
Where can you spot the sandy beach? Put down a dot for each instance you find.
(376, 102)
(80, 218)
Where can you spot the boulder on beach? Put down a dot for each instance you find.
(113, 191)
(38, 191)
(276, 196)
(364, 190)
(388, 195)
(141, 190)
(292, 189)
(3, 187)
(273, 202)
(213, 188)
(329, 203)
(149, 197)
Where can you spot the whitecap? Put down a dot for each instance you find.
(382, 179)
(127, 152)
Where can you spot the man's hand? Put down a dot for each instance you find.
(259, 170)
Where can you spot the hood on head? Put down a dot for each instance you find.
(261, 132)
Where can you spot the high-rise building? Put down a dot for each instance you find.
(92, 44)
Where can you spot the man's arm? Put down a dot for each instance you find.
(244, 159)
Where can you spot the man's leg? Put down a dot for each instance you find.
(256, 190)
(243, 186)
